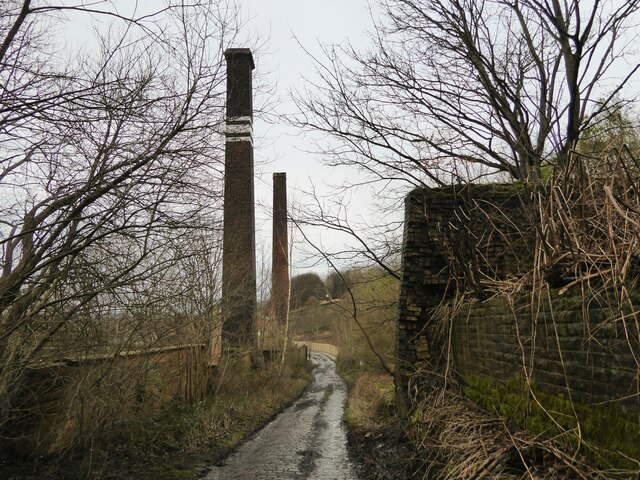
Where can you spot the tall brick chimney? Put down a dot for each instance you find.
(238, 257)
(280, 261)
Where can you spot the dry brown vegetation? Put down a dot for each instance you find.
(111, 174)
(455, 439)
(111, 184)
(585, 223)
(181, 440)
(371, 401)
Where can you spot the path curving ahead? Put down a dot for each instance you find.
(306, 441)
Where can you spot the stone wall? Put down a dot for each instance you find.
(575, 347)
(443, 227)
(583, 348)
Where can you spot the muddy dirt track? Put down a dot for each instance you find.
(306, 441)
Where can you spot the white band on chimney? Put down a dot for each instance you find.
(239, 139)
(243, 119)
(239, 128)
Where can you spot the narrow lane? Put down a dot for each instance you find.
(306, 441)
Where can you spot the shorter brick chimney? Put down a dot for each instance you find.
(280, 261)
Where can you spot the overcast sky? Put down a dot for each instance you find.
(290, 25)
(283, 29)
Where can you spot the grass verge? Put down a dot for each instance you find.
(370, 404)
(375, 436)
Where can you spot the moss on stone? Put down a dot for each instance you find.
(608, 432)
(490, 190)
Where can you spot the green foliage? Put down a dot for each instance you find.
(608, 432)
(475, 190)
(339, 284)
(376, 295)
(318, 320)
(376, 298)
(614, 127)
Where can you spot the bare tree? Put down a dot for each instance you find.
(506, 85)
(106, 166)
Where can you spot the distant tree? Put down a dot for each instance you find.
(336, 286)
(338, 283)
(304, 287)
(612, 129)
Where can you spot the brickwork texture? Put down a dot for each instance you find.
(576, 346)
